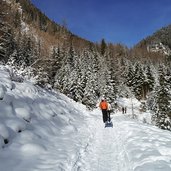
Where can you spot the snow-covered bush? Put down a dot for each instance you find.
(14, 76)
(145, 117)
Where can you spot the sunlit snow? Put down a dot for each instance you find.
(43, 130)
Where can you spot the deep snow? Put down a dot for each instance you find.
(45, 130)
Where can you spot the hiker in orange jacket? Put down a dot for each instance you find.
(104, 107)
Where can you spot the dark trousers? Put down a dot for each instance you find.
(108, 115)
(123, 110)
(105, 116)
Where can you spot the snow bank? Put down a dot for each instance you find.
(16, 124)
(23, 113)
(2, 91)
(5, 110)
(148, 147)
(1, 142)
(145, 117)
(36, 126)
(4, 131)
(32, 149)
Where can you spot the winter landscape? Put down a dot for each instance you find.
(52, 82)
(45, 130)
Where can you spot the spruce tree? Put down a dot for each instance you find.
(162, 106)
(103, 47)
(129, 75)
(138, 81)
(149, 79)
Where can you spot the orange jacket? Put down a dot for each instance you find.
(103, 105)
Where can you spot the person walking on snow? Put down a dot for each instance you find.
(104, 107)
(108, 112)
(123, 109)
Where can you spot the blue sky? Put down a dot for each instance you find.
(117, 21)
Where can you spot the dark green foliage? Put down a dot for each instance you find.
(103, 46)
(138, 81)
(7, 43)
(17, 20)
(129, 75)
(149, 79)
(168, 78)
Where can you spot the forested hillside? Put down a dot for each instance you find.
(49, 54)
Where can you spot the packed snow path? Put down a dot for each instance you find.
(102, 150)
(105, 152)
(128, 146)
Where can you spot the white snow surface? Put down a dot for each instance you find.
(46, 131)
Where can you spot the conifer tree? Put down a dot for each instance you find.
(89, 98)
(103, 47)
(161, 107)
(149, 78)
(111, 92)
(129, 75)
(77, 90)
(138, 81)
(168, 78)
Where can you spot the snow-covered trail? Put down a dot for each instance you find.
(103, 149)
(106, 150)
(128, 146)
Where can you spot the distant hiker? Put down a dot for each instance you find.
(123, 109)
(116, 107)
(108, 112)
(104, 107)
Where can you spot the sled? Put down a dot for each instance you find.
(109, 124)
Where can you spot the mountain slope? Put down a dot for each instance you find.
(25, 21)
(160, 41)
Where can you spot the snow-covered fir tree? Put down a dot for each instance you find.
(138, 81)
(161, 102)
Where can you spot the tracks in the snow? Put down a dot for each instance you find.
(124, 163)
(104, 151)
